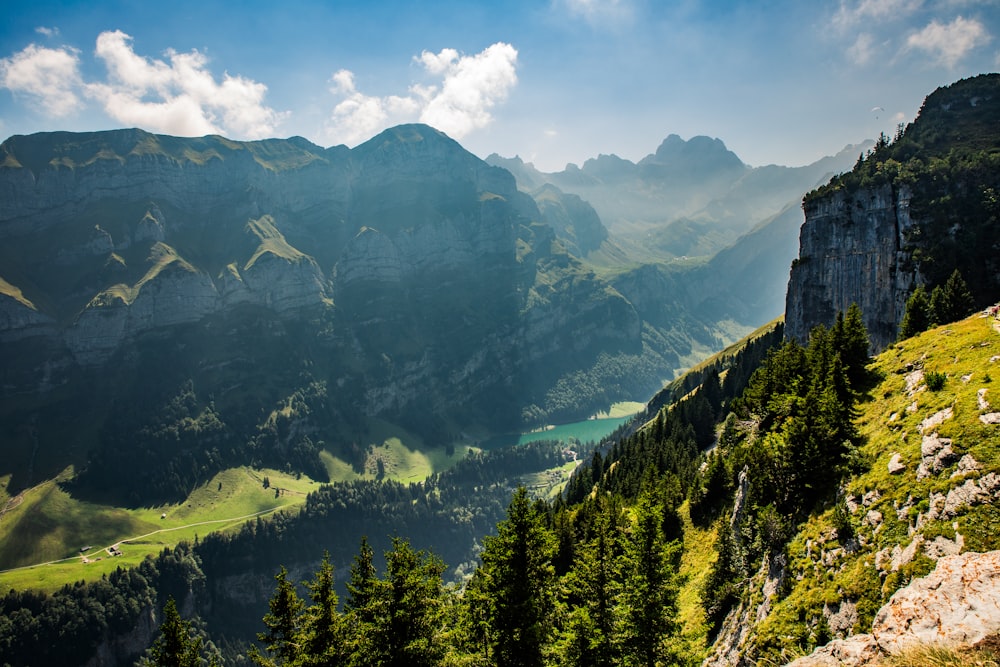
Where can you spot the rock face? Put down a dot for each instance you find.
(956, 604)
(852, 250)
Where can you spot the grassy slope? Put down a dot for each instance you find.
(821, 571)
(46, 523)
(49, 524)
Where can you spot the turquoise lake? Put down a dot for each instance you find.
(589, 430)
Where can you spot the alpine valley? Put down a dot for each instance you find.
(230, 367)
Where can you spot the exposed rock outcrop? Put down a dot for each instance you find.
(957, 604)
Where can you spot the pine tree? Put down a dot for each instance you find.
(175, 646)
(410, 632)
(917, 316)
(283, 622)
(954, 302)
(594, 586)
(365, 603)
(516, 586)
(648, 605)
(852, 343)
(323, 631)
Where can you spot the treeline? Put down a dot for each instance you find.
(733, 367)
(785, 447)
(598, 590)
(159, 452)
(67, 627)
(588, 579)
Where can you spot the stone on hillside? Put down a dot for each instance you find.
(966, 465)
(857, 650)
(990, 418)
(936, 419)
(957, 603)
(981, 400)
(941, 546)
(914, 381)
(936, 454)
(896, 464)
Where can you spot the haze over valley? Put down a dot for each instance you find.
(542, 351)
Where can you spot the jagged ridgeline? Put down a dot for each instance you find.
(918, 206)
(171, 307)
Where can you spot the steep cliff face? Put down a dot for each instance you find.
(913, 210)
(853, 249)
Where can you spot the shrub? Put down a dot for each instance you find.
(935, 381)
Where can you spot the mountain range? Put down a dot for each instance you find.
(403, 280)
(187, 323)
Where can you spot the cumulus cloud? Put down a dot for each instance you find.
(48, 78)
(460, 100)
(948, 43)
(48, 32)
(178, 95)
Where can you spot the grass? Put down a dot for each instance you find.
(697, 559)
(620, 409)
(549, 483)
(404, 456)
(890, 422)
(50, 525)
(929, 655)
(271, 242)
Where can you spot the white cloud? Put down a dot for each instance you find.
(851, 14)
(177, 96)
(180, 97)
(48, 32)
(49, 78)
(469, 88)
(472, 86)
(862, 50)
(948, 43)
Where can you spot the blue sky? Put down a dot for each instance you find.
(553, 81)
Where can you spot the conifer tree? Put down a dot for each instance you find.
(953, 301)
(648, 607)
(917, 316)
(851, 341)
(365, 601)
(594, 586)
(410, 631)
(283, 622)
(517, 578)
(175, 646)
(323, 631)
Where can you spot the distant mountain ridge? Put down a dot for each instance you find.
(691, 197)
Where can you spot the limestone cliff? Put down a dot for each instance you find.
(853, 249)
(917, 207)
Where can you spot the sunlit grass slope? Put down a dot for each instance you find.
(46, 524)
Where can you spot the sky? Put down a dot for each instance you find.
(551, 81)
